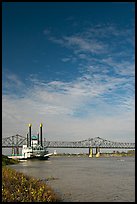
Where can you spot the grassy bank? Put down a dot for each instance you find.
(6, 161)
(17, 187)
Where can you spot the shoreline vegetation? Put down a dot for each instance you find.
(129, 153)
(17, 187)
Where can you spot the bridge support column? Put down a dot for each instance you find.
(97, 152)
(17, 151)
(90, 152)
(13, 151)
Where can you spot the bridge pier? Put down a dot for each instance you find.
(90, 152)
(17, 150)
(13, 151)
(97, 152)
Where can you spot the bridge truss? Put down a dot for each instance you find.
(91, 142)
(17, 141)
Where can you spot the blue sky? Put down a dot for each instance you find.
(70, 66)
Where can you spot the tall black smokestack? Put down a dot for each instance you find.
(41, 134)
(27, 139)
(30, 134)
(38, 138)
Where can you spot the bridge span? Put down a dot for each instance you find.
(17, 141)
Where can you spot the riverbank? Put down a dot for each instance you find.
(118, 154)
(17, 187)
(7, 161)
(129, 153)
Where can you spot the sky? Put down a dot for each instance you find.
(70, 66)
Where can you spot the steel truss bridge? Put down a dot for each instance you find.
(17, 141)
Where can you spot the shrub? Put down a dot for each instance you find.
(6, 160)
(16, 187)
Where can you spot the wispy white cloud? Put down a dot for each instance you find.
(79, 43)
(66, 59)
(46, 31)
(12, 80)
(84, 44)
(96, 39)
(12, 84)
(123, 68)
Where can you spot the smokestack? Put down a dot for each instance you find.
(41, 134)
(30, 134)
(38, 138)
(27, 139)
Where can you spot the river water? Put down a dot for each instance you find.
(83, 179)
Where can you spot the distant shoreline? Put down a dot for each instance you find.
(115, 154)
